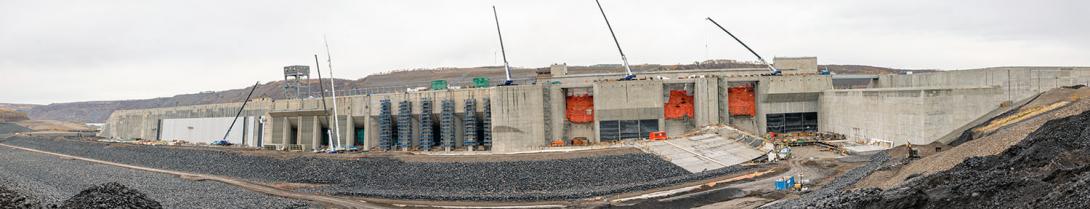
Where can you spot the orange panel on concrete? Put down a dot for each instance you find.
(741, 101)
(680, 105)
(580, 109)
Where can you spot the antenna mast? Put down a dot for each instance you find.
(506, 67)
(773, 69)
(627, 69)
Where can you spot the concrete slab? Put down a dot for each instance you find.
(704, 152)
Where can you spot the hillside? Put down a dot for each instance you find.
(98, 111)
(10, 115)
(17, 107)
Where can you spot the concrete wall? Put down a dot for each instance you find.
(904, 115)
(628, 100)
(517, 114)
(800, 64)
(789, 94)
(706, 106)
(144, 123)
(1016, 82)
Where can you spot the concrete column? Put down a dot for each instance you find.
(285, 131)
(350, 132)
(315, 132)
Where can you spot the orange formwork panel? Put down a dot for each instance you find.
(580, 109)
(741, 101)
(680, 105)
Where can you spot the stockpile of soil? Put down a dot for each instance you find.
(1048, 169)
(14, 200)
(110, 195)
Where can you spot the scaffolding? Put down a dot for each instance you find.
(469, 122)
(404, 124)
(426, 139)
(385, 125)
(446, 124)
(486, 123)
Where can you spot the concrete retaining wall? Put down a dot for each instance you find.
(517, 114)
(904, 115)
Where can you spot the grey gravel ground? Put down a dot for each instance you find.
(52, 180)
(389, 178)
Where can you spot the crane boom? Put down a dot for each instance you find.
(506, 67)
(773, 69)
(624, 59)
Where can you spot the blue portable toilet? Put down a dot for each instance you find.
(781, 184)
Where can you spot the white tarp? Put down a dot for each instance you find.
(205, 130)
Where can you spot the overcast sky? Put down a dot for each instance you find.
(65, 51)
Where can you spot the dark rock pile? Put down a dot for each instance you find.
(14, 200)
(105, 196)
(110, 195)
(1048, 169)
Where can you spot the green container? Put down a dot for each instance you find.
(439, 85)
(480, 82)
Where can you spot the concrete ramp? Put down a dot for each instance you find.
(712, 150)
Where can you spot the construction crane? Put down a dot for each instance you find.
(506, 67)
(770, 68)
(627, 69)
(224, 141)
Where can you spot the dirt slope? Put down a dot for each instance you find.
(998, 135)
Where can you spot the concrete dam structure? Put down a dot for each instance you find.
(558, 106)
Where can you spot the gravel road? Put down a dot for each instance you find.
(382, 177)
(52, 180)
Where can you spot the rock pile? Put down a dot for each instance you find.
(1048, 169)
(110, 195)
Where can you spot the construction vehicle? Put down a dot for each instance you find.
(656, 136)
(773, 70)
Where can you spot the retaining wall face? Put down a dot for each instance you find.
(628, 100)
(789, 94)
(517, 118)
(1017, 83)
(144, 123)
(918, 116)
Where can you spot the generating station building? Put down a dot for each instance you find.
(897, 109)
